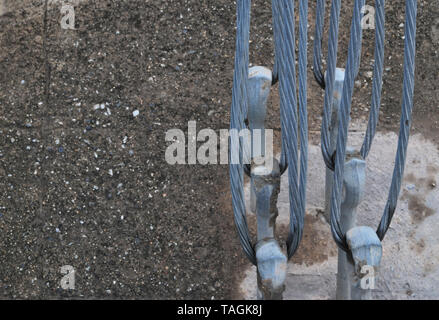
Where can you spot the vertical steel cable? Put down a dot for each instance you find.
(303, 113)
(237, 114)
(405, 123)
(344, 114)
(276, 62)
(329, 83)
(285, 51)
(283, 164)
(317, 64)
(406, 116)
(318, 38)
(358, 41)
(284, 34)
(377, 83)
(378, 71)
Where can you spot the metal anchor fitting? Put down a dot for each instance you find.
(258, 90)
(271, 261)
(353, 186)
(356, 271)
(264, 189)
(366, 250)
(333, 130)
(359, 269)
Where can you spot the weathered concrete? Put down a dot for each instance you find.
(410, 263)
(2, 7)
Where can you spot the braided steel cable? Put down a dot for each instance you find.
(288, 99)
(329, 84)
(358, 44)
(285, 48)
(377, 82)
(404, 132)
(275, 78)
(284, 31)
(237, 114)
(406, 116)
(283, 164)
(285, 51)
(318, 38)
(303, 113)
(345, 108)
